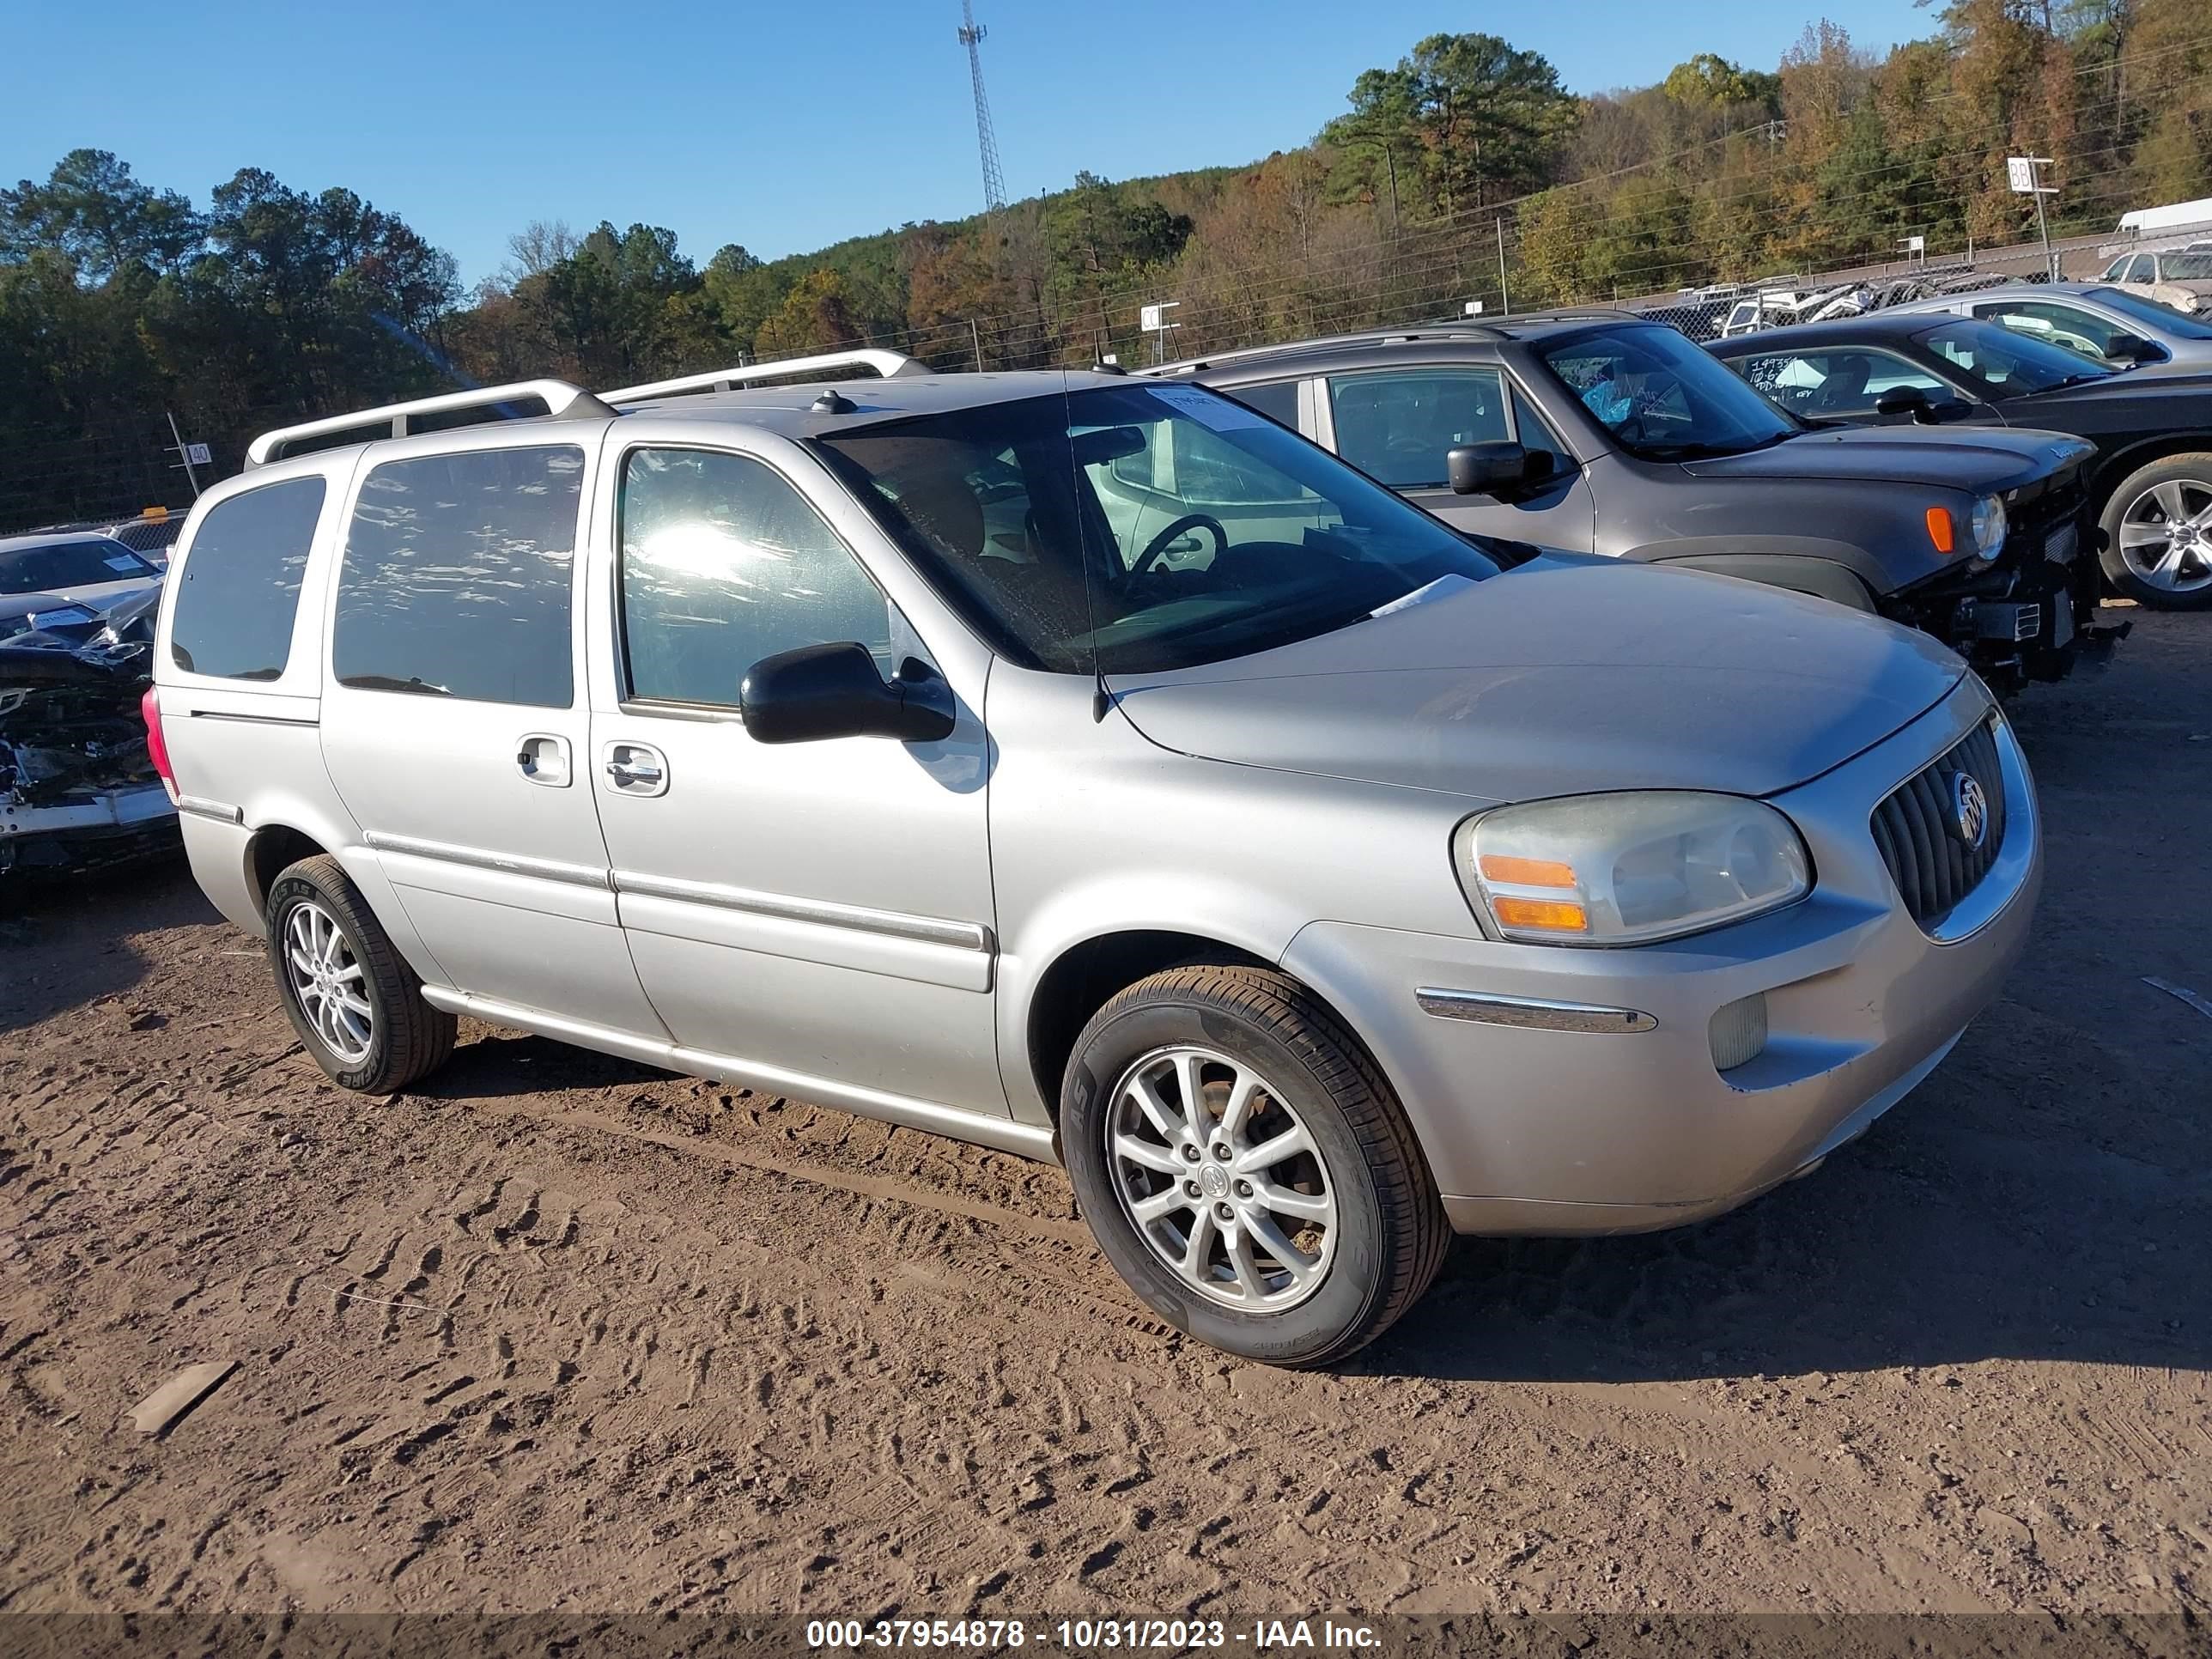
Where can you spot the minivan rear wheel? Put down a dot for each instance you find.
(355, 1002)
(1245, 1166)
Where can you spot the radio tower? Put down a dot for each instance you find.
(971, 36)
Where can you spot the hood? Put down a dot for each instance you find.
(2187, 391)
(1564, 676)
(1981, 460)
(98, 596)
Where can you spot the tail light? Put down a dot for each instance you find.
(157, 746)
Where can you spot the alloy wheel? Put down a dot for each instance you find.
(327, 979)
(2165, 535)
(1221, 1179)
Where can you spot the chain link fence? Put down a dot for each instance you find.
(108, 472)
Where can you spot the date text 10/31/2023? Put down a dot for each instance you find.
(1092, 1635)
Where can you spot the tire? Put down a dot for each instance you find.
(2144, 502)
(1360, 1266)
(405, 1038)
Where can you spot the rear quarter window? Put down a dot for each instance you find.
(458, 575)
(240, 592)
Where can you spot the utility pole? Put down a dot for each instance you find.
(976, 338)
(1504, 293)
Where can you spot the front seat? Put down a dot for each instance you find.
(1845, 390)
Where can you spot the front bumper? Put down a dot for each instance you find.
(1536, 1126)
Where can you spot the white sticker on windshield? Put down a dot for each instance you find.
(1442, 588)
(1207, 408)
(121, 563)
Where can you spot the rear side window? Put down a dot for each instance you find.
(723, 563)
(458, 577)
(1278, 400)
(241, 585)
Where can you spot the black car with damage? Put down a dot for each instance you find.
(2149, 484)
(1609, 434)
(78, 788)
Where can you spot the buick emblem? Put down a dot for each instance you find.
(1970, 810)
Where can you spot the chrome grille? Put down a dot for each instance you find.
(1916, 829)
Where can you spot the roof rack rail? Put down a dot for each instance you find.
(886, 363)
(1454, 329)
(562, 402)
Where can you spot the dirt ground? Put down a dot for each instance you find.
(562, 1332)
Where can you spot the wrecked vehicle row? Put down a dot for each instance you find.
(78, 789)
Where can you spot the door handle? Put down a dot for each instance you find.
(543, 758)
(636, 768)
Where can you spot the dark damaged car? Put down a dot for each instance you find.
(1609, 435)
(77, 788)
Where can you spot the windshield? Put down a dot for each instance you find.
(2008, 364)
(1142, 528)
(2165, 318)
(1663, 398)
(69, 564)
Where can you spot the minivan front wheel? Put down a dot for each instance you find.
(355, 1002)
(1245, 1167)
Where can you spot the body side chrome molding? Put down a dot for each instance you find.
(926, 930)
(1533, 1013)
(895, 924)
(253, 719)
(477, 858)
(200, 808)
(1023, 1139)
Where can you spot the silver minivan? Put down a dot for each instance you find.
(1092, 768)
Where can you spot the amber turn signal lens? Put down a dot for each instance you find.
(1939, 529)
(1526, 873)
(1553, 915)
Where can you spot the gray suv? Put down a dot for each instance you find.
(1091, 768)
(1610, 434)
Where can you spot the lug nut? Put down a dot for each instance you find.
(1243, 1189)
(1222, 1211)
(1190, 1189)
(1190, 1154)
(1221, 1152)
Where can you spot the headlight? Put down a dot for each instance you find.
(1627, 869)
(1988, 527)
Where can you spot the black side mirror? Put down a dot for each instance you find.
(1903, 400)
(2132, 349)
(835, 691)
(1494, 469)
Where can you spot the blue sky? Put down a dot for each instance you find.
(781, 126)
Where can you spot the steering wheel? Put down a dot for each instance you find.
(1156, 549)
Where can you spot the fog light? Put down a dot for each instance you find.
(1739, 1033)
